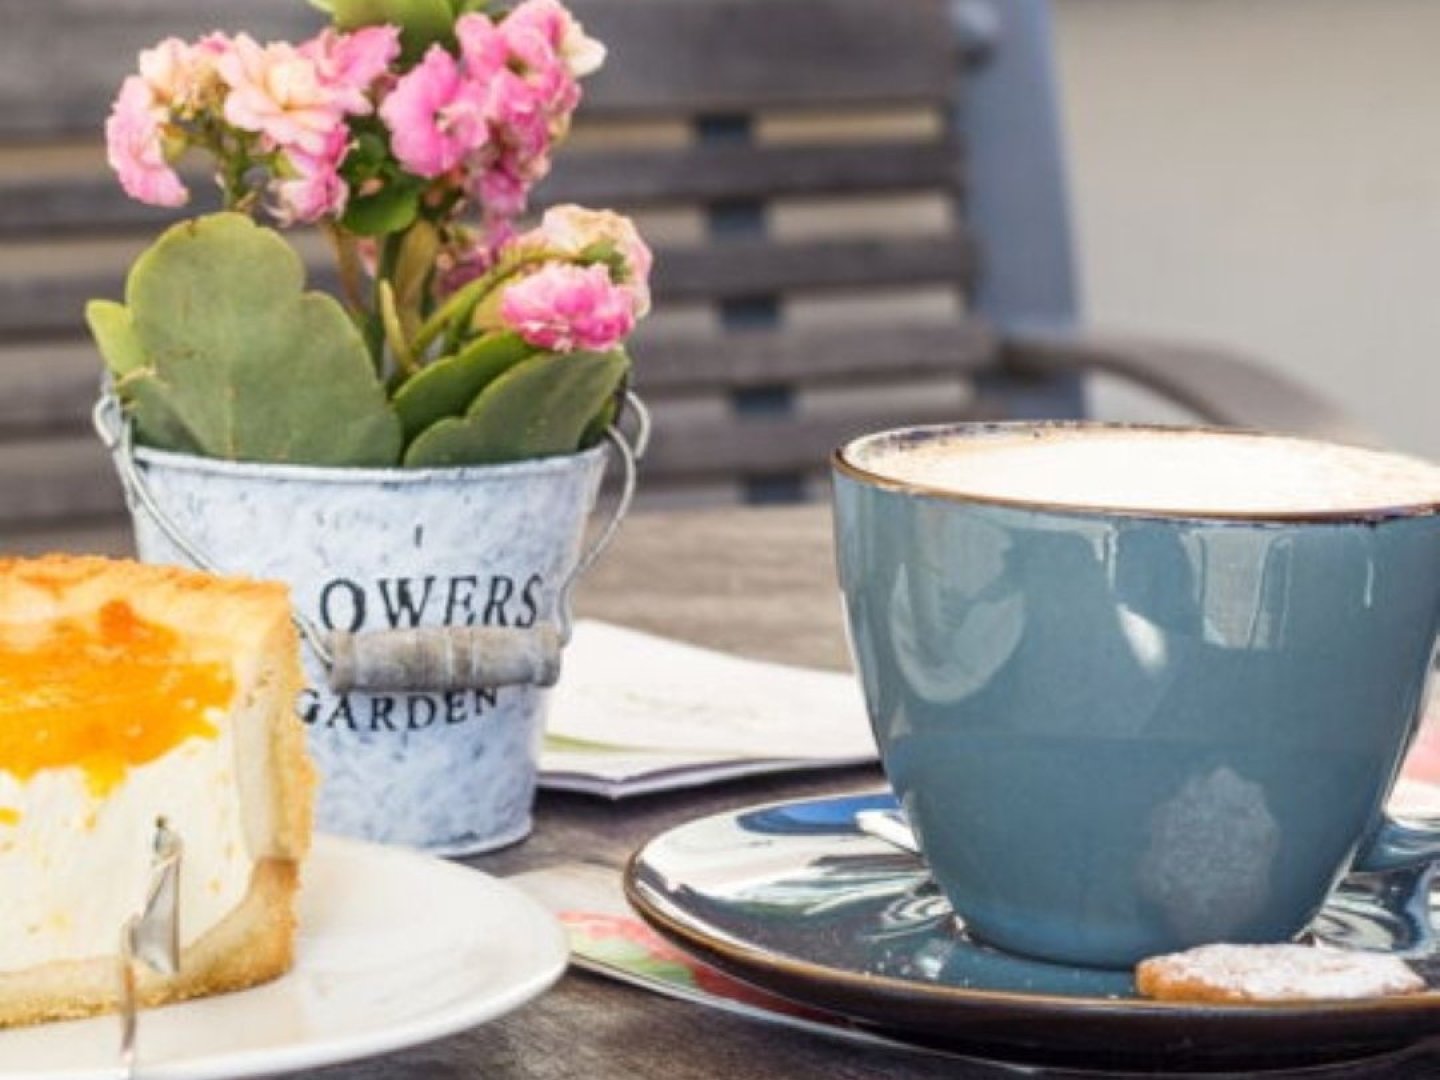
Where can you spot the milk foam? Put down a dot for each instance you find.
(1155, 470)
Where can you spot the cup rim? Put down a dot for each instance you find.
(841, 460)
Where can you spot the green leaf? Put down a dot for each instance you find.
(539, 407)
(421, 22)
(367, 155)
(390, 210)
(156, 421)
(240, 362)
(450, 384)
(114, 333)
(595, 429)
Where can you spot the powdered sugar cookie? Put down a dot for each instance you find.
(1267, 973)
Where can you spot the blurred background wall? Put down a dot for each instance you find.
(1266, 174)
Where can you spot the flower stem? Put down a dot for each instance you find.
(377, 338)
(394, 332)
(465, 299)
(347, 261)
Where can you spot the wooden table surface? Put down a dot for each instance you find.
(759, 583)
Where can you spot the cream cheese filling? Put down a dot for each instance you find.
(75, 866)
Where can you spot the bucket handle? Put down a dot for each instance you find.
(426, 658)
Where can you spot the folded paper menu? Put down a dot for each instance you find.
(636, 713)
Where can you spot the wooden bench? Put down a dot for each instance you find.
(802, 166)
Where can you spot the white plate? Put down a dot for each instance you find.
(395, 949)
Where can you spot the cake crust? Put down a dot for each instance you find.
(250, 946)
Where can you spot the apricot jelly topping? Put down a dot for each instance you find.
(101, 693)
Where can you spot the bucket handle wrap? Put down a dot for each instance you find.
(426, 659)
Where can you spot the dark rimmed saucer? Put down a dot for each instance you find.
(795, 898)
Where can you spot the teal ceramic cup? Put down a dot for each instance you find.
(1119, 733)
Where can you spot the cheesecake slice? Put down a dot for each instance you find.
(130, 694)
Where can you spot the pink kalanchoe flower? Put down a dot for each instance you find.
(570, 230)
(502, 193)
(482, 47)
(534, 60)
(434, 117)
(316, 189)
(351, 64)
(519, 114)
(553, 23)
(182, 77)
(562, 307)
(278, 92)
(135, 146)
(168, 69)
(213, 45)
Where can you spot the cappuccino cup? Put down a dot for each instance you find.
(1140, 689)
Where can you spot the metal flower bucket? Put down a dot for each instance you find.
(433, 603)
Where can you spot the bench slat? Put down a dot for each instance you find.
(93, 203)
(671, 56)
(762, 268)
(56, 477)
(711, 172)
(88, 205)
(109, 535)
(767, 445)
(814, 358)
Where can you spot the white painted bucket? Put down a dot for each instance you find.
(451, 771)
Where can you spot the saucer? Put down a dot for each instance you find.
(795, 899)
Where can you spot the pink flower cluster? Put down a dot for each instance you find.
(568, 303)
(290, 103)
(142, 134)
(297, 101)
(562, 307)
(481, 123)
(493, 112)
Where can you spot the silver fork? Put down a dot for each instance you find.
(151, 938)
